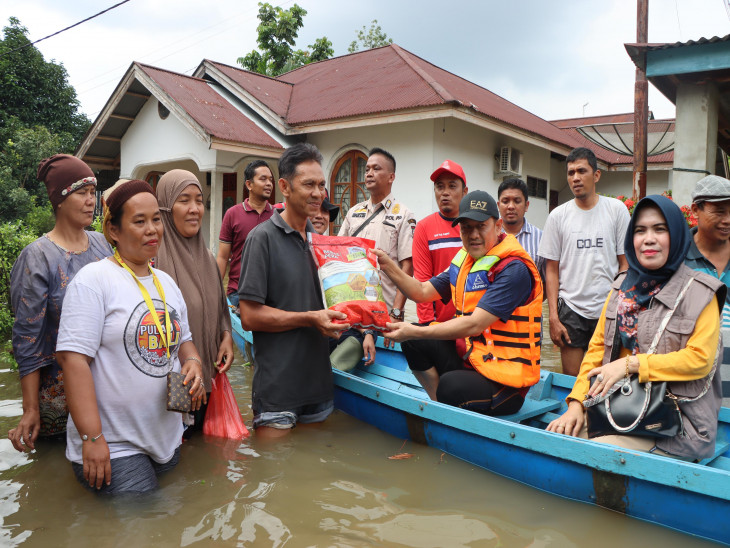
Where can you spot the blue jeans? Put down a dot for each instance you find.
(133, 474)
(233, 299)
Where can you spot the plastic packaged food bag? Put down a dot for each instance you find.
(350, 279)
(223, 419)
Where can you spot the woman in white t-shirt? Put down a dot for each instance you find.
(124, 327)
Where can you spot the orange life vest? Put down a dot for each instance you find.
(506, 352)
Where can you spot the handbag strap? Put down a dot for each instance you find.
(655, 342)
(366, 222)
(667, 317)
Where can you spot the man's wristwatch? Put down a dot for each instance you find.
(397, 314)
(371, 332)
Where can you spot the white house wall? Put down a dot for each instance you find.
(412, 145)
(618, 183)
(420, 147)
(150, 140)
(477, 149)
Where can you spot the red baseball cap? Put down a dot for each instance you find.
(449, 167)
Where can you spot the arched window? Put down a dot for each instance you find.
(347, 186)
(153, 177)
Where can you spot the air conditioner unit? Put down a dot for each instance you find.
(510, 161)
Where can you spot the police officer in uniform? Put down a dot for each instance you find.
(387, 221)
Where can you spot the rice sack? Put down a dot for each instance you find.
(350, 279)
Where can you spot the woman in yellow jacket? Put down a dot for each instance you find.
(656, 245)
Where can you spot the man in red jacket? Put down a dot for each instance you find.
(435, 240)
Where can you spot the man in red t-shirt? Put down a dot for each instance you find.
(240, 219)
(435, 241)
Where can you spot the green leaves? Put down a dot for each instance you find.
(277, 33)
(35, 91)
(369, 39)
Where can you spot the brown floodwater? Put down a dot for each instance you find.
(325, 485)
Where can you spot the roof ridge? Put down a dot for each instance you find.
(438, 88)
(523, 109)
(348, 54)
(144, 65)
(272, 78)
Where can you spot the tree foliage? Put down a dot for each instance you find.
(35, 91)
(370, 38)
(277, 33)
(39, 117)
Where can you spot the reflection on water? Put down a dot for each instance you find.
(323, 485)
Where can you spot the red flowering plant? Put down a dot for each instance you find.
(686, 210)
(628, 202)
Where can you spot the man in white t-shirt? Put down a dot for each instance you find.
(583, 247)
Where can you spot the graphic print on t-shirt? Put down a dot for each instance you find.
(143, 343)
(586, 243)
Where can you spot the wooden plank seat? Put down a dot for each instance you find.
(533, 408)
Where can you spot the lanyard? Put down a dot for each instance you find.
(167, 334)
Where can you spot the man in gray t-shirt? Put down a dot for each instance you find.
(583, 247)
(281, 303)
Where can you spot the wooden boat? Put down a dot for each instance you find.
(689, 497)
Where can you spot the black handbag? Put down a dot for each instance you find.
(641, 409)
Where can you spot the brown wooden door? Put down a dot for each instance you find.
(347, 186)
(229, 191)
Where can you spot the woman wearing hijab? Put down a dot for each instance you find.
(38, 284)
(185, 257)
(124, 328)
(656, 244)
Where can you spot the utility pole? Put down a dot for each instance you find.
(641, 106)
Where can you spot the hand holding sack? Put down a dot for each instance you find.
(350, 279)
(223, 419)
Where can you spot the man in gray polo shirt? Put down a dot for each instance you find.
(281, 303)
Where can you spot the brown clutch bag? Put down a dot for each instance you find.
(178, 395)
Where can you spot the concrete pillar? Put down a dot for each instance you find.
(695, 138)
(216, 208)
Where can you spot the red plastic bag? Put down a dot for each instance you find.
(223, 419)
(350, 279)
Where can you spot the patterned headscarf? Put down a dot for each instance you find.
(641, 284)
(64, 174)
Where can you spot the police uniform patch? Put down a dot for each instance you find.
(396, 209)
(412, 222)
(387, 204)
(358, 215)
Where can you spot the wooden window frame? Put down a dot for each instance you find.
(351, 155)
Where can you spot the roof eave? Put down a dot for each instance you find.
(455, 110)
(256, 105)
(217, 143)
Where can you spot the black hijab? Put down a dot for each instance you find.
(641, 284)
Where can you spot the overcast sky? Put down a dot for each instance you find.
(549, 57)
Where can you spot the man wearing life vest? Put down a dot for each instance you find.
(497, 291)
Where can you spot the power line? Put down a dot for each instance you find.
(64, 30)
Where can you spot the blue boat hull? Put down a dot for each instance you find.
(647, 487)
(692, 498)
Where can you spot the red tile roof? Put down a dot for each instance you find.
(211, 111)
(387, 79)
